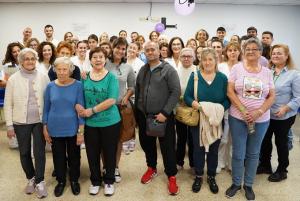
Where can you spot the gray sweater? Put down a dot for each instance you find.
(157, 91)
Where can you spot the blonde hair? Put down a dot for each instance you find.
(289, 61)
(209, 51)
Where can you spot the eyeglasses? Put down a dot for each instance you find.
(186, 56)
(251, 50)
(29, 59)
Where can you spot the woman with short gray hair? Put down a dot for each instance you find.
(23, 108)
(64, 132)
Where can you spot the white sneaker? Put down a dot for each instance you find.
(29, 189)
(41, 190)
(94, 190)
(109, 189)
(118, 177)
(125, 148)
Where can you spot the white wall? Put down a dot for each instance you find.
(112, 17)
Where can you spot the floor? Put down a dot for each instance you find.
(12, 180)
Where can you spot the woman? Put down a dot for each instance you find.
(103, 38)
(251, 91)
(64, 49)
(107, 47)
(64, 132)
(153, 36)
(47, 56)
(192, 43)
(68, 37)
(126, 78)
(33, 43)
(187, 56)
(10, 62)
(212, 88)
(141, 40)
(232, 56)
(175, 46)
(102, 129)
(164, 50)
(202, 36)
(24, 120)
(81, 60)
(163, 39)
(283, 112)
(235, 38)
(198, 52)
(92, 42)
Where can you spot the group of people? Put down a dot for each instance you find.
(243, 94)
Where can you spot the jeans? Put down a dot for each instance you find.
(24, 133)
(199, 155)
(245, 150)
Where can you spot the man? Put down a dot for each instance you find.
(252, 32)
(134, 36)
(266, 40)
(48, 30)
(157, 93)
(27, 33)
(221, 33)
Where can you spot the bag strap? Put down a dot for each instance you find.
(196, 85)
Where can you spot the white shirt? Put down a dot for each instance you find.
(137, 64)
(42, 68)
(85, 66)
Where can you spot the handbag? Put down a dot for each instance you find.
(128, 122)
(186, 114)
(155, 128)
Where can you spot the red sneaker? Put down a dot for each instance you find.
(149, 175)
(173, 188)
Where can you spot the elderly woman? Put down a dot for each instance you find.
(251, 91)
(102, 129)
(64, 132)
(283, 112)
(212, 89)
(23, 108)
(126, 78)
(187, 56)
(232, 55)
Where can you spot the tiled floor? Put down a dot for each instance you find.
(12, 180)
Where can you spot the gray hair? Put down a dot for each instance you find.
(64, 60)
(187, 49)
(209, 51)
(24, 51)
(254, 41)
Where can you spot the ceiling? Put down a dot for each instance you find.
(250, 2)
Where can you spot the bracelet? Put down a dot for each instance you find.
(80, 131)
(93, 110)
(242, 109)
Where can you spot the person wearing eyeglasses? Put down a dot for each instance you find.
(125, 75)
(184, 136)
(283, 112)
(23, 109)
(251, 92)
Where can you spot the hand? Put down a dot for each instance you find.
(88, 112)
(195, 105)
(84, 75)
(282, 111)
(80, 139)
(255, 114)
(160, 117)
(247, 116)
(11, 133)
(80, 110)
(46, 136)
(124, 101)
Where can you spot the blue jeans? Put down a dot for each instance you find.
(245, 150)
(199, 155)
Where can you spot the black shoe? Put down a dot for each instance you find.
(277, 176)
(231, 191)
(75, 188)
(249, 193)
(264, 170)
(212, 184)
(197, 184)
(59, 189)
(53, 173)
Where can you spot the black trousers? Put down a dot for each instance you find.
(61, 146)
(167, 144)
(104, 139)
(23, 133)
(280, 128)
(184, 136)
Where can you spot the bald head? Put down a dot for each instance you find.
(27, 33)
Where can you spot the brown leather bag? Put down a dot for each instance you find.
(128, 122)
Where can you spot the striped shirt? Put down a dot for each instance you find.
(252, 89)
